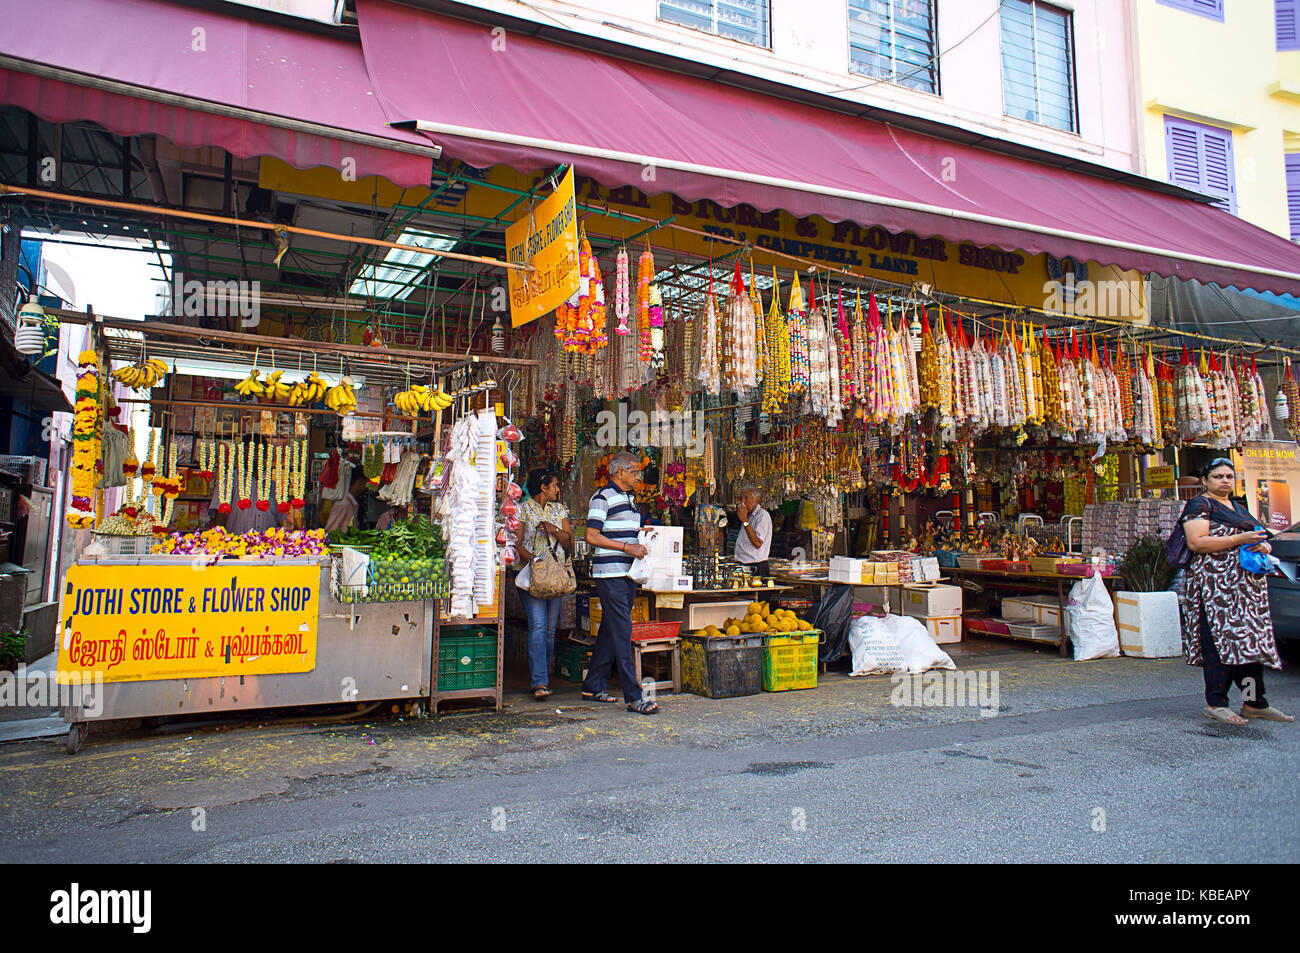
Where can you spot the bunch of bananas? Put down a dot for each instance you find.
(340, 398)
(308, 391)
(251, 386)
(142, 376)
(420, 398)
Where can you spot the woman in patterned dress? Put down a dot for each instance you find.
(545, 521)
(1227, 629)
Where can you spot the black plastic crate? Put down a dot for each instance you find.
(726, 667)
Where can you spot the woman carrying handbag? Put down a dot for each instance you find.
(1227, 628)
(545, 544)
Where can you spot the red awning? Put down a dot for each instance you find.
(200, 78)
(529, 103)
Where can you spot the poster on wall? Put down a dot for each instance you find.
(1271, 473)
(143, 623)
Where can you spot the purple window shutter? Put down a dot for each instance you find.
(1293, 192)
(1206, 8)
(1286, 17)
(1200, 158)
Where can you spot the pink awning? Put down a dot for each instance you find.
(200, 78)
(530, 103)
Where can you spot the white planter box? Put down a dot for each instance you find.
(1149, 625)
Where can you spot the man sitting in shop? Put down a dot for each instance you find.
(754, 541)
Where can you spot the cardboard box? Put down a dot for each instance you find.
(1020, 609)
(931, 601)
(880, 596)
(640, 612)
(943, 629)
(671, 583)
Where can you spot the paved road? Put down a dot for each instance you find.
(1104, 761)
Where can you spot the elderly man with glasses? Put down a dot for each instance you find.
(613, 523)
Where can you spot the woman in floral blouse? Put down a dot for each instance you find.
(545, 522)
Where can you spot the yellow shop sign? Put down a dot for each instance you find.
(141, 623)
(547, 239)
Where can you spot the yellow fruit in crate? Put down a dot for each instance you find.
(733, 630)
(766, 611)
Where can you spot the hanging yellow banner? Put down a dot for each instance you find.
(547, 239)
(141, 623)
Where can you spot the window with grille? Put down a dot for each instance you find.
(1200, 158)
(893, 40)
(744, 20)
(1038, 64)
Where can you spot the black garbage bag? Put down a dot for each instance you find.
(833, 614)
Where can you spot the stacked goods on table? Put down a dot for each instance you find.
(879, 571)
(1115, 527)
(1032, 617)
(406, 561)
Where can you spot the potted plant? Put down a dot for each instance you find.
(1146, 611)
(13, 649)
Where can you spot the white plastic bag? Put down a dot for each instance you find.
(640, 571)
(1092, 620)
(355, 569)
(894, 644)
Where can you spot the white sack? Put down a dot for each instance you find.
(1092, 620)
(894, 644)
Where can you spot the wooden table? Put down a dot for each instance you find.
(1033, 581)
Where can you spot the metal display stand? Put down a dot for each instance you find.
(437, 696)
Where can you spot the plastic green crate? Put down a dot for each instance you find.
(790, 661)
(467, 658)
(572, 661)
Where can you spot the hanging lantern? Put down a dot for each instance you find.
(914, 330)
(498, 337)
(29, 332)
(1281, 409)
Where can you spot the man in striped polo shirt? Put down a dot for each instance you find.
(613, 522)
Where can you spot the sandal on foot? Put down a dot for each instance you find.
(1225, 715)
(599, 697)
(644, 707)
(541, 692)
(1268, 714)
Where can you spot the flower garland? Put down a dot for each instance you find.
(708, 372)
(263, 477)
(622, 309)
(245, 477)
(776, 376)
(85, 437)
(645, 275)
(300, 471)
(171, 489)
(797, 323)
(225, 461)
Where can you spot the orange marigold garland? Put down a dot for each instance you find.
(85, 440)
(645, 275)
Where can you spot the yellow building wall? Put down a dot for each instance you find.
(1230, 75)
